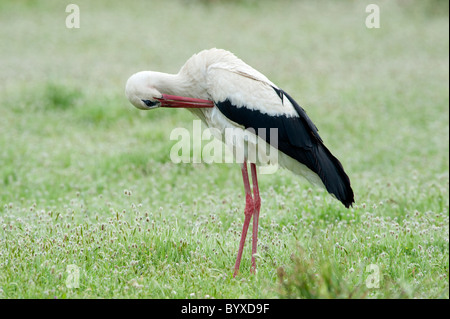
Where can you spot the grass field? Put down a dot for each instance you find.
(86, 179)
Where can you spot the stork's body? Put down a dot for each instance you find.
(226, 93)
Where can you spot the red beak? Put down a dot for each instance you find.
(185, 102)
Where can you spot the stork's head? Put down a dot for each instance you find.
(141, 91)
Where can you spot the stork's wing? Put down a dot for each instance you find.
(252, 101)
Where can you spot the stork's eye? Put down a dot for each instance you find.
(150, 103)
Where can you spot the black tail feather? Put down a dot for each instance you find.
(314, 154)
(333, 176)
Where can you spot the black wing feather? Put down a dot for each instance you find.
(298, 138)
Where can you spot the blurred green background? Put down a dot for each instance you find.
(378, 96)
(384, 90)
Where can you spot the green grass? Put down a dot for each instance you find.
(86, 179)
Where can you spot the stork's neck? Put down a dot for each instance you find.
(174, 84)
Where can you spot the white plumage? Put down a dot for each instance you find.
(218, 75)
(226, 93)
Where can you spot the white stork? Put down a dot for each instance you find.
(225, 92)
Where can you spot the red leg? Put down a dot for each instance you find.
(257, 206)
(249, 209)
